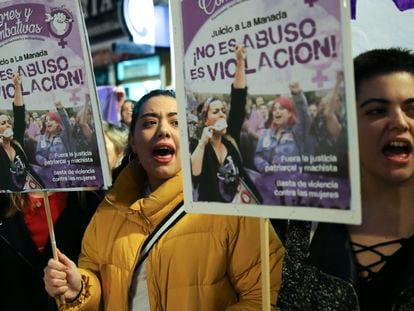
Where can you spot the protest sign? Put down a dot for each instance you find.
(288, 148)
(54, 141)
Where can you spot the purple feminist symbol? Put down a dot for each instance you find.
(322, 63)
(403, 5)
(320, 78)
(75, 98)
(310, 2)
(59, 23)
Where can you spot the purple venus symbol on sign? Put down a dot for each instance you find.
(59, 22)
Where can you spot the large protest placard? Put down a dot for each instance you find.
(268, 99)
(50, 133)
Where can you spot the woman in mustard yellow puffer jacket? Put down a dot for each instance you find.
(203, 262)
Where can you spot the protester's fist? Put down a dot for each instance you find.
(87, 98)
(340, 76)
(58, 105)
(60, 22)
(16, 79)
(294, 87)
(240, 52)
(62, 278)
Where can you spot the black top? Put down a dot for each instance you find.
(324, 276)
(13, 173)
(22, 265)
(218, 183)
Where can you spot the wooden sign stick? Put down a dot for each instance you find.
(264, 250)
(51, 234)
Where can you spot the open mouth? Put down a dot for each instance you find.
(163, 152)
(278, 118)
(397, 149)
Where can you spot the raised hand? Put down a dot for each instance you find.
(240, 76)
(294, 87)
(339, 76)
(18, 98)
(16, 79)
(59, 105)
(240, 52)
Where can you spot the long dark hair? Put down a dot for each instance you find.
(129, 154)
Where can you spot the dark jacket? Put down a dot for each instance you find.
(323, 276)
(6, 180)
(22, 265)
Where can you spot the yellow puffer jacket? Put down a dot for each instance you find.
(204, 262)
